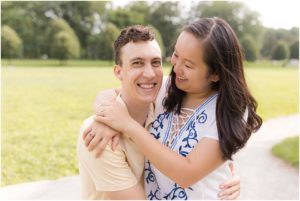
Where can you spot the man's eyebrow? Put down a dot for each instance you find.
(136, 59)
(155, 58)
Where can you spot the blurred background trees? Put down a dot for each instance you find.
(87, 29)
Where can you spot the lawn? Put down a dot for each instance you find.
(43, 107)
(288, 150)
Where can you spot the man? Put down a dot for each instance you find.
(117, 174)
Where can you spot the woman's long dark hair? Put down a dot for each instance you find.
(223, 56)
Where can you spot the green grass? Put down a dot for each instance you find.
(55, 63)
(42, 109)
(275, 89)
(41, 115)
(288, 150)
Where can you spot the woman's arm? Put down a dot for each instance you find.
(203, 159)
(98, 135)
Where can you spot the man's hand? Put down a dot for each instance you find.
(230, 190)
(97, 136)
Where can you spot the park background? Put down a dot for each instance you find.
(56, 56)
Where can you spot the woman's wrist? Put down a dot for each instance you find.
(130, 126)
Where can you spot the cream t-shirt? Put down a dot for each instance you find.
(112, 171)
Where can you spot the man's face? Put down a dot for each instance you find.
(141, 71)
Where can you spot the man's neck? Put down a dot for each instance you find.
(137, 110)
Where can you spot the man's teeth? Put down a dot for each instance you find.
(147, 86)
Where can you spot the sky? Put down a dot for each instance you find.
(273, 13)
(276, 13)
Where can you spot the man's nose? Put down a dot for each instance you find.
(149, 71)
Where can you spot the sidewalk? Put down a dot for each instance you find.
(262, 175)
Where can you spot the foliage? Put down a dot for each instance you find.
(159, 41)
(288, 150)
(294, 50)
(64, 42)
(11, 43)
(65, 46)
(123, 18)
(281, 51)
(273, 36)
(249, 47)
(243, 20)
(101, 45)
(168, 24)
(30, 19)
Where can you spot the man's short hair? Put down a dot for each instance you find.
(133, 33)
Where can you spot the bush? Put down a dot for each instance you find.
(281, 51)
(250, 48)
(65, 46)
(11, 43)
(60, 30)
(106, 41)
(294, 50)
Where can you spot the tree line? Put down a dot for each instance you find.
(86, 29)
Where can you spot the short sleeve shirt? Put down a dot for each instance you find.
(114, 170)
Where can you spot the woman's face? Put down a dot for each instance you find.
(192, 75)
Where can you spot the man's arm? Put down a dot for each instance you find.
(133, 193)
(110, 173)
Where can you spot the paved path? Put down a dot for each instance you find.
(262, 175)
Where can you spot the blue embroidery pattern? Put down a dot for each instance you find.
(158, 124)
(202, 117)
(153, 196)
(177, 193)
(149, 175)
(150, 178)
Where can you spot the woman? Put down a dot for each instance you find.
(207, 116)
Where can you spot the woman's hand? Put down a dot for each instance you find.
(115, 115)
(97, 136)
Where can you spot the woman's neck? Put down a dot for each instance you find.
(193, 100)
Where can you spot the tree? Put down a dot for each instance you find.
(64, 46)
(165, 17)
(123, 17)
(56, 39)
(11, 43)
(101, 45)
(281, 51)
(159, 41)
(272, 36)
(294, 50)
(242, 20)
(250, 49)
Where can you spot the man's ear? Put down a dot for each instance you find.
(118, 72)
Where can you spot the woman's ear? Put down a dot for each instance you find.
(214, 77)
(118, 72)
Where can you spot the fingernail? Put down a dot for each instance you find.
(221, 186)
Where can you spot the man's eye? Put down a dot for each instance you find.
(156, 63)
(137, 63)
